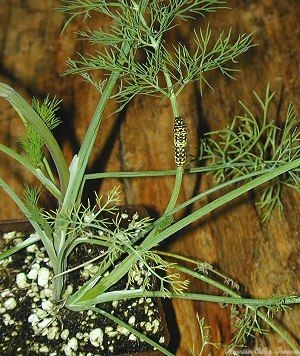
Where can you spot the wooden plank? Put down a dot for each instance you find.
(262, 258)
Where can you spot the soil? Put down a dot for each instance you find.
(32, 325)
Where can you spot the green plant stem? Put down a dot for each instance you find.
(149, 243)
(48, 184)
(92, 131)
(180, 170)
(253, 304)
(48, 169)
(78, 168)
(175, 190)
(138, 293)
(229, 291)
(80, 162)
(72, 195)
(235, 299)
(138, 174)
(280, 332)
(156, 44)
(27, 242)
(170, 172)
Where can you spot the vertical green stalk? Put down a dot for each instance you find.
(179, 170)
(72, 195)
(79, 164)
(176, 113)
(175, 190)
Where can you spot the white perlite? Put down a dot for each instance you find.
(21, 280)
(10, 303)
(47, 305)
(64, 334)
(33, 273)
(44, 350)
(52, 333)
(131, 320)
(9, 235)
(71, 347)
(33, 319)
(96, 337)
(43, 277)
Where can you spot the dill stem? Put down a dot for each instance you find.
(175, 190)
(227, 290)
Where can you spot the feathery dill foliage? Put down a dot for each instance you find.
(33, 142)
(252, 143)
(31, 198)
(205, 339)
(151, 65)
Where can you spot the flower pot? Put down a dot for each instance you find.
(31, 325)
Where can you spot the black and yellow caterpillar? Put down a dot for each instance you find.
(180, 141)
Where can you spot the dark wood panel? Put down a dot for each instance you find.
(263, 258)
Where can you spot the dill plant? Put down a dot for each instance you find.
(138, 61)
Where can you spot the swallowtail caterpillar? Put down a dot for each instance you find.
(180, 141)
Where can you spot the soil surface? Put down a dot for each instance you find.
(32, 325)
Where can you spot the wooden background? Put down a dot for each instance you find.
(262, 258)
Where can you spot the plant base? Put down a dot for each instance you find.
(31, 324)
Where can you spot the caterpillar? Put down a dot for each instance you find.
(180, 141)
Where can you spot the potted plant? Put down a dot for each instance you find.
(123, 259)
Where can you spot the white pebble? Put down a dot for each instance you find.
(33, 319)
(96, 337)
(21, 280)
(9, 235)
(6, 293)
(48, 292)
(52, 332)
(47, 305)
(131, 320)
(79, 336)
(32, 274)
(132, 337)
(10, 303)
(31, 248)
(161, 340)
(40, 313)
(68, 291)
(6, 319)
(43, 277)
(36, 266)
(115, 303)
(155, 326)
(122, 330)
(71, 346)
(148, 326)
(44, 350)
(64, 334)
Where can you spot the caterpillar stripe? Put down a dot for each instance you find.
(180, 141)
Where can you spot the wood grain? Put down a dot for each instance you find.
(262, 258)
